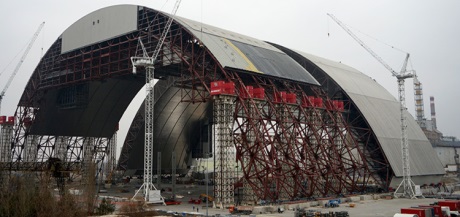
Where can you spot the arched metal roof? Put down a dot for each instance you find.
(381, 111)
(246, 53)
(90, 103)
(84, 84)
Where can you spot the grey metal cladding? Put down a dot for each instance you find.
(384, 118)
(100, 25)
(201, 29)
(275, 63)
(243, 52)
(381, 111)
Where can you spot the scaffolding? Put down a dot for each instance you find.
(111, 154)
(88, 153)
(224, 149)
(31, 149)
(6, 135)
(61, 148)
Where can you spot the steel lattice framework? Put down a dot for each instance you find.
(286, 149)
(5, 142)
(224, 149)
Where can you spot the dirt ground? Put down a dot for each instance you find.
(366, 208)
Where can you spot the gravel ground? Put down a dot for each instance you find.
(367, 208)
(370, 208)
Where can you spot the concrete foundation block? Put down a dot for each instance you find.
(259, 210)
(322, 202)
(366, 197)
(354, 199)
(345, 200)
(314, 203)
(304, 205)
(290, 206)
(271, 209)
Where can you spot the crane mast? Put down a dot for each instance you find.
(148, 63)
(18, 66)
(407, 185)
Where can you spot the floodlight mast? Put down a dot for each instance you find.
(408, 186)
(148, 63)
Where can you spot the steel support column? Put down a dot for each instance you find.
(250, 164)
(224, 149)
(5, 142)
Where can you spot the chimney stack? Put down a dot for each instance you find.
(433, 112)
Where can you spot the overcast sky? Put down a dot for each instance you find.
(428, 30)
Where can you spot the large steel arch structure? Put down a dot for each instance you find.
(288, 118)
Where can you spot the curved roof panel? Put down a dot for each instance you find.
(230, 49)
(100, 25)
(382, 113)
(238, 51)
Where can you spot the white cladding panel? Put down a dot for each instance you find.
(382, 113)
(446, 155)
(100, 25)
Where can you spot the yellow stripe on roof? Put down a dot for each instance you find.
(251, 66)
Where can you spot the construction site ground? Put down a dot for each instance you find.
(375, 205)
(380, 208)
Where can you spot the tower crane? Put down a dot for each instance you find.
(407, 185)
(23, 57)
(148, 62)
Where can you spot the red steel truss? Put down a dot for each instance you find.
(291, 148)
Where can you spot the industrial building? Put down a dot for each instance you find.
(295, 124)
(446, 147)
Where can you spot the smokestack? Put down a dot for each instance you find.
(433, 112)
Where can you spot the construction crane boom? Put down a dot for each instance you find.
(148, 63)
(407, 184)
(18, 66)
(360, 42)
(165, 31)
